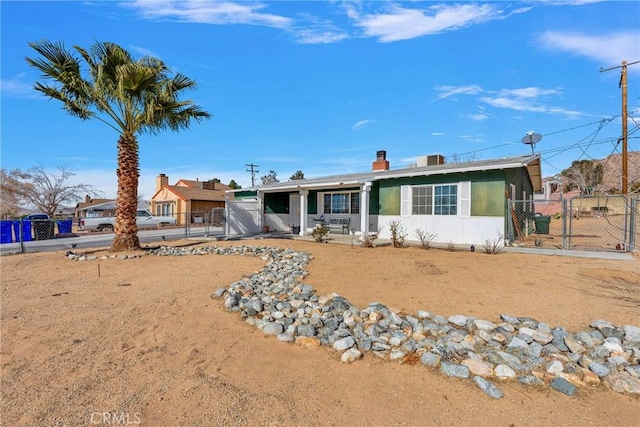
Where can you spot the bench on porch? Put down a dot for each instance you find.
(339, 223)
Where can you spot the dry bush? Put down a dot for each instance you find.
(369, 238)
(494, 246)
(424, 237)
(398, 234)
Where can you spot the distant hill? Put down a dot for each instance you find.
(613, 170)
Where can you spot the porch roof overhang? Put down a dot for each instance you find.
(531, 162)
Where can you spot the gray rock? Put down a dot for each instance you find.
(622, 382)
(430, 359)
(517, 343)
(285, 337)
(350, 356)
(634, 371)
(599, 324)
(555, 367)
(530, 380)
(535, 349)
(484, 325)
(458, 320)
(559, 334)
(563, 386)
(587, 339)
(453, 370)
(509, 319)
(490, 389)
(631, 334)
(344, 343)
(306, 330)
(218, 292)
(612, 332)
(273, 328)
(503, 372)
(599, 369)
(573, 344)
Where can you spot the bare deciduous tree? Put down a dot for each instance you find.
(43, 189)
(11, 191)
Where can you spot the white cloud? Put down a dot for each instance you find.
(436, 134)
(608, 49)
(143, 51)
(361, 124)
(478, 117)
(400, 23)
(448, 91)
(16, 86)
(312, 36)
(209, 12)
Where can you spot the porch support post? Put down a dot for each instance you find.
(262, 221)
(364, 208)
(304, 201)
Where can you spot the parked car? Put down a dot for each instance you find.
(144, 219)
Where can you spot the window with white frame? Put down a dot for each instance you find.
(164, 209)
(342, 203)
(434, 200)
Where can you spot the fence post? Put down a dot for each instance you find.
(632, 224)
(565, 212)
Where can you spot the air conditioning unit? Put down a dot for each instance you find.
(432, 160)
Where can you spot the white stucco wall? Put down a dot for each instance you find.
(475, 230)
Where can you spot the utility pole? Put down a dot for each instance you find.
(253, 172)
(623, 86)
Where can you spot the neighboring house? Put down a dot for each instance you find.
(461, 203)
(95, 207)
(187, 200)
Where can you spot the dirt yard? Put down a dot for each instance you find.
(140, 341)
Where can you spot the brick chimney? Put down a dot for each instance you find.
(381, 163)
(161, 181)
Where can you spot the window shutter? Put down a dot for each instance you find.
(405, 200)
(465, 199)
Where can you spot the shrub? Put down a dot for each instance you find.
(369, 238)
(494, 246)
(320, 232)
(451, 246)
(398, 234)
(424, 237)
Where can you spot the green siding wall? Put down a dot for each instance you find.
(487, 198)
(245, 194)
(276, 203)
(487, 191)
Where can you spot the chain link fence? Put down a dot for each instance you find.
(610, 223)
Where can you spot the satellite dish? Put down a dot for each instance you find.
(531, 138)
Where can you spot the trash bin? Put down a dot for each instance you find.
(25, 236)
(64, 226)
(542, 224)
(295, 229)
(6, 231)
(43, 229)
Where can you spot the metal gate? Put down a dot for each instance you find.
(242, 217)
(609, 223)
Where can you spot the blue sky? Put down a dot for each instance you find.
(320, 86)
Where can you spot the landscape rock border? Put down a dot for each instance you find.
(276, 301)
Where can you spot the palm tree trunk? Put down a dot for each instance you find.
(126, 237)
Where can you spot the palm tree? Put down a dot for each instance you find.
(130, 96)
